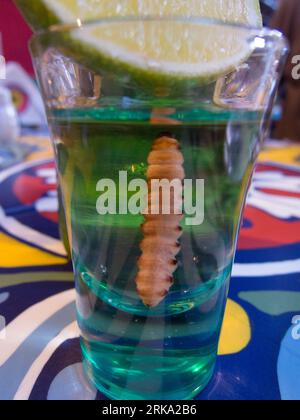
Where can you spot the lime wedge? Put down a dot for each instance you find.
(43, 13)
(155, 48)
(174, 49)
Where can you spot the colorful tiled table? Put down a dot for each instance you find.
(260, 345)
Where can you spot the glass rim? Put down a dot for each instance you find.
(79, 24)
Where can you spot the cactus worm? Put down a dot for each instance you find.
(161, 232)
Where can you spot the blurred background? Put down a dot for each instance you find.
(15, 35)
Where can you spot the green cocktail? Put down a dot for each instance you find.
(131, 101)
(173, 345)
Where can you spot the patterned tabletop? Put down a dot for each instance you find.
(260, 344)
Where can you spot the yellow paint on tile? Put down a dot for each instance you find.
(236, 331)
(44, 151)
(15, 254)
(286, 155)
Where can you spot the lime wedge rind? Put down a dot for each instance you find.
(37, 14)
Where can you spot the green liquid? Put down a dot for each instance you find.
(131, 351)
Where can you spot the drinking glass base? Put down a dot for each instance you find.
(154, 386)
